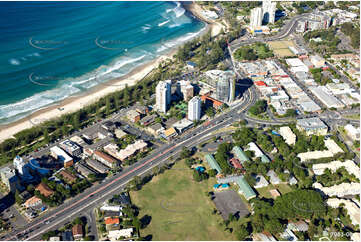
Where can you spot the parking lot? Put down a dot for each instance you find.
(229, 202)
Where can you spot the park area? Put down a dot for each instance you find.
(280, 48)
(179, 207)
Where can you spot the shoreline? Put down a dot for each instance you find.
(74, 103)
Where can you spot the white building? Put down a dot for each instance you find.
(163, 95)
(340, 190)
(20, 165)
(352, 132)
(326, 97)
(317, 61)
(349, 165)
(269, 11)
(114, 235)
(61, 156)
(256, 17)
(194, 109)
(288, 135)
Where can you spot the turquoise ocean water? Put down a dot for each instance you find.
(52, 50)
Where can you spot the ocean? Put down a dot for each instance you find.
(53, 50)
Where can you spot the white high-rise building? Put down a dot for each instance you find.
(256, 17)
(194, 109)
(19, 165)
(269, 11)
(163, 95)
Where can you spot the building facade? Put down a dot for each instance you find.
(163, 96)
(194, 109)
(256, 17)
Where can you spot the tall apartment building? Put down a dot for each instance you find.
(269, 11)
(163, 95)
(194, 109)
(256, 17)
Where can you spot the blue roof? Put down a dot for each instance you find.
(216, 185)
(191, 63)
(225, 185)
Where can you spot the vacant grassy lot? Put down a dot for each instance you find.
(179, 207)
(282, 188)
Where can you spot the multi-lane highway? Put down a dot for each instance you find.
(96, 194)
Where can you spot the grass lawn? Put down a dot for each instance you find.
(179, 207)
(353, 116)
(282, 188)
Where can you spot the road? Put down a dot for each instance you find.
(98, 193)
(285, 31)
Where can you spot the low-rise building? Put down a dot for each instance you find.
(78, 140)
(265, 236)
(326, 97)
(213, 163)
(105, 159)
(169, 133)
(312, 126)
(352, 209)
(147, 120)
(183, 125)
(317, 61)
(349, 165)
(32, 202)
(61, 156)
(239, 154)
(288, 135)
(133, 115)
(339, 190)
(108, 125)
(68, 176)
(112, 221)
(274, 193)
(352, 132)
(44, 190)
(82, 169)
(257, 152)
(115, 235)
(119, 133)
(155, 129)
(99, 167)
(130, 150)
(77, 231)
(260, 181)
(273, 178)
(71, 148)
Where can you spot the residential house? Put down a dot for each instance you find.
(115, 235)
(155, 129)
(68, 176)
(133, 116)
(44, 189)
(77, 231)
(32, 202)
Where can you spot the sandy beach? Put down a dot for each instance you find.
(75, 103)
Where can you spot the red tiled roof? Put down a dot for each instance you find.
(44, 190)
(68, 176)
(112, 221)
(77, 229)
(260, 83)
(105, 156)
(235, 162)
